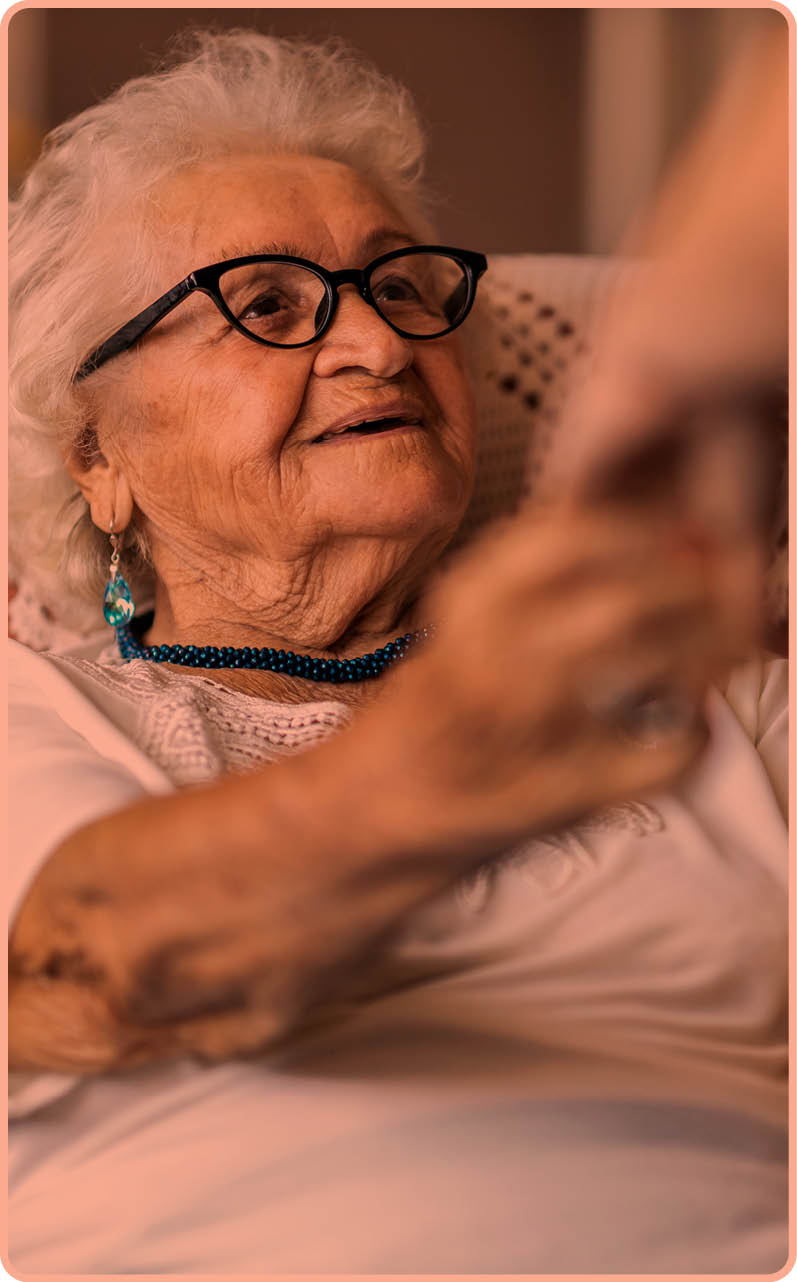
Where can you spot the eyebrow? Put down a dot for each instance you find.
(380, 236)
(383, 236)
(244, 249)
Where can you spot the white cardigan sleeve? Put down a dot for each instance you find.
(67, 765)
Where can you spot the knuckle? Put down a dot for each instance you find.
(165, 987)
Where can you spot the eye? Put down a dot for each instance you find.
(397, 289)
(267, 304)
(276, 313)
(275, 301)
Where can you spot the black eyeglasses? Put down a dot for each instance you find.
(424, 291)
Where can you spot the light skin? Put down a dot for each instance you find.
(216, 921)
(706, 325)
(260, 534)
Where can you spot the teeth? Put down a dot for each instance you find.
(365, 426)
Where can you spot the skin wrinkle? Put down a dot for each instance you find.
(476, 754)
(258, 535)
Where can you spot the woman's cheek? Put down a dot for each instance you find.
(445, 375)
(459, 414)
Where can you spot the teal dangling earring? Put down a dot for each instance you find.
(118, 603)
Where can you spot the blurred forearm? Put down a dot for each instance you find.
(210, 921)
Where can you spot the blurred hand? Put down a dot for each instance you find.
(513, 720)
(505, 720)
(690, 371)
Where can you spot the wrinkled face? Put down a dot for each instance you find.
(224, 456)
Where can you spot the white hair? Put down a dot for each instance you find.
(71, 285)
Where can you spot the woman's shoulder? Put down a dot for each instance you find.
(188, 726)
(56, 711)
(54, 680)
(25, 660)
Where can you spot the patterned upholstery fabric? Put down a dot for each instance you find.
(527, 343)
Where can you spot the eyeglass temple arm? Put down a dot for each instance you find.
(136, 328)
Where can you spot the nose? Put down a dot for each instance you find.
(358, 338)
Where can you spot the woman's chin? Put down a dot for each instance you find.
(415, 500)
(399, 475)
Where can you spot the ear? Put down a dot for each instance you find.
(104, 487)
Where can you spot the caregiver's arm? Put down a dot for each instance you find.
(700, 336)
(213, 920)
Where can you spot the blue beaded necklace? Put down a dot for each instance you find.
(267, 659)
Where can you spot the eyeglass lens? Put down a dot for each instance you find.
(420, 294)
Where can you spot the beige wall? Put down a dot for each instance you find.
(648, 74)
(547, 126)
(27, 106)
(498, 88)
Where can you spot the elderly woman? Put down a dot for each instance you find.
(298, 983)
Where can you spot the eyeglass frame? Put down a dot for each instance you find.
(205, 280)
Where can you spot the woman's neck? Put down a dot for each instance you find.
(339, 608)
(279, 688)
(359, 636)
(333, 636)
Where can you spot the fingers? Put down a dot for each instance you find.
(69, 1027)
(546, 605)
(531, 570)
(229, 1034)
(613, 767)
(560, 548)
(569, 670)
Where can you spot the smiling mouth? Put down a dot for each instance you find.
(369, 427)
